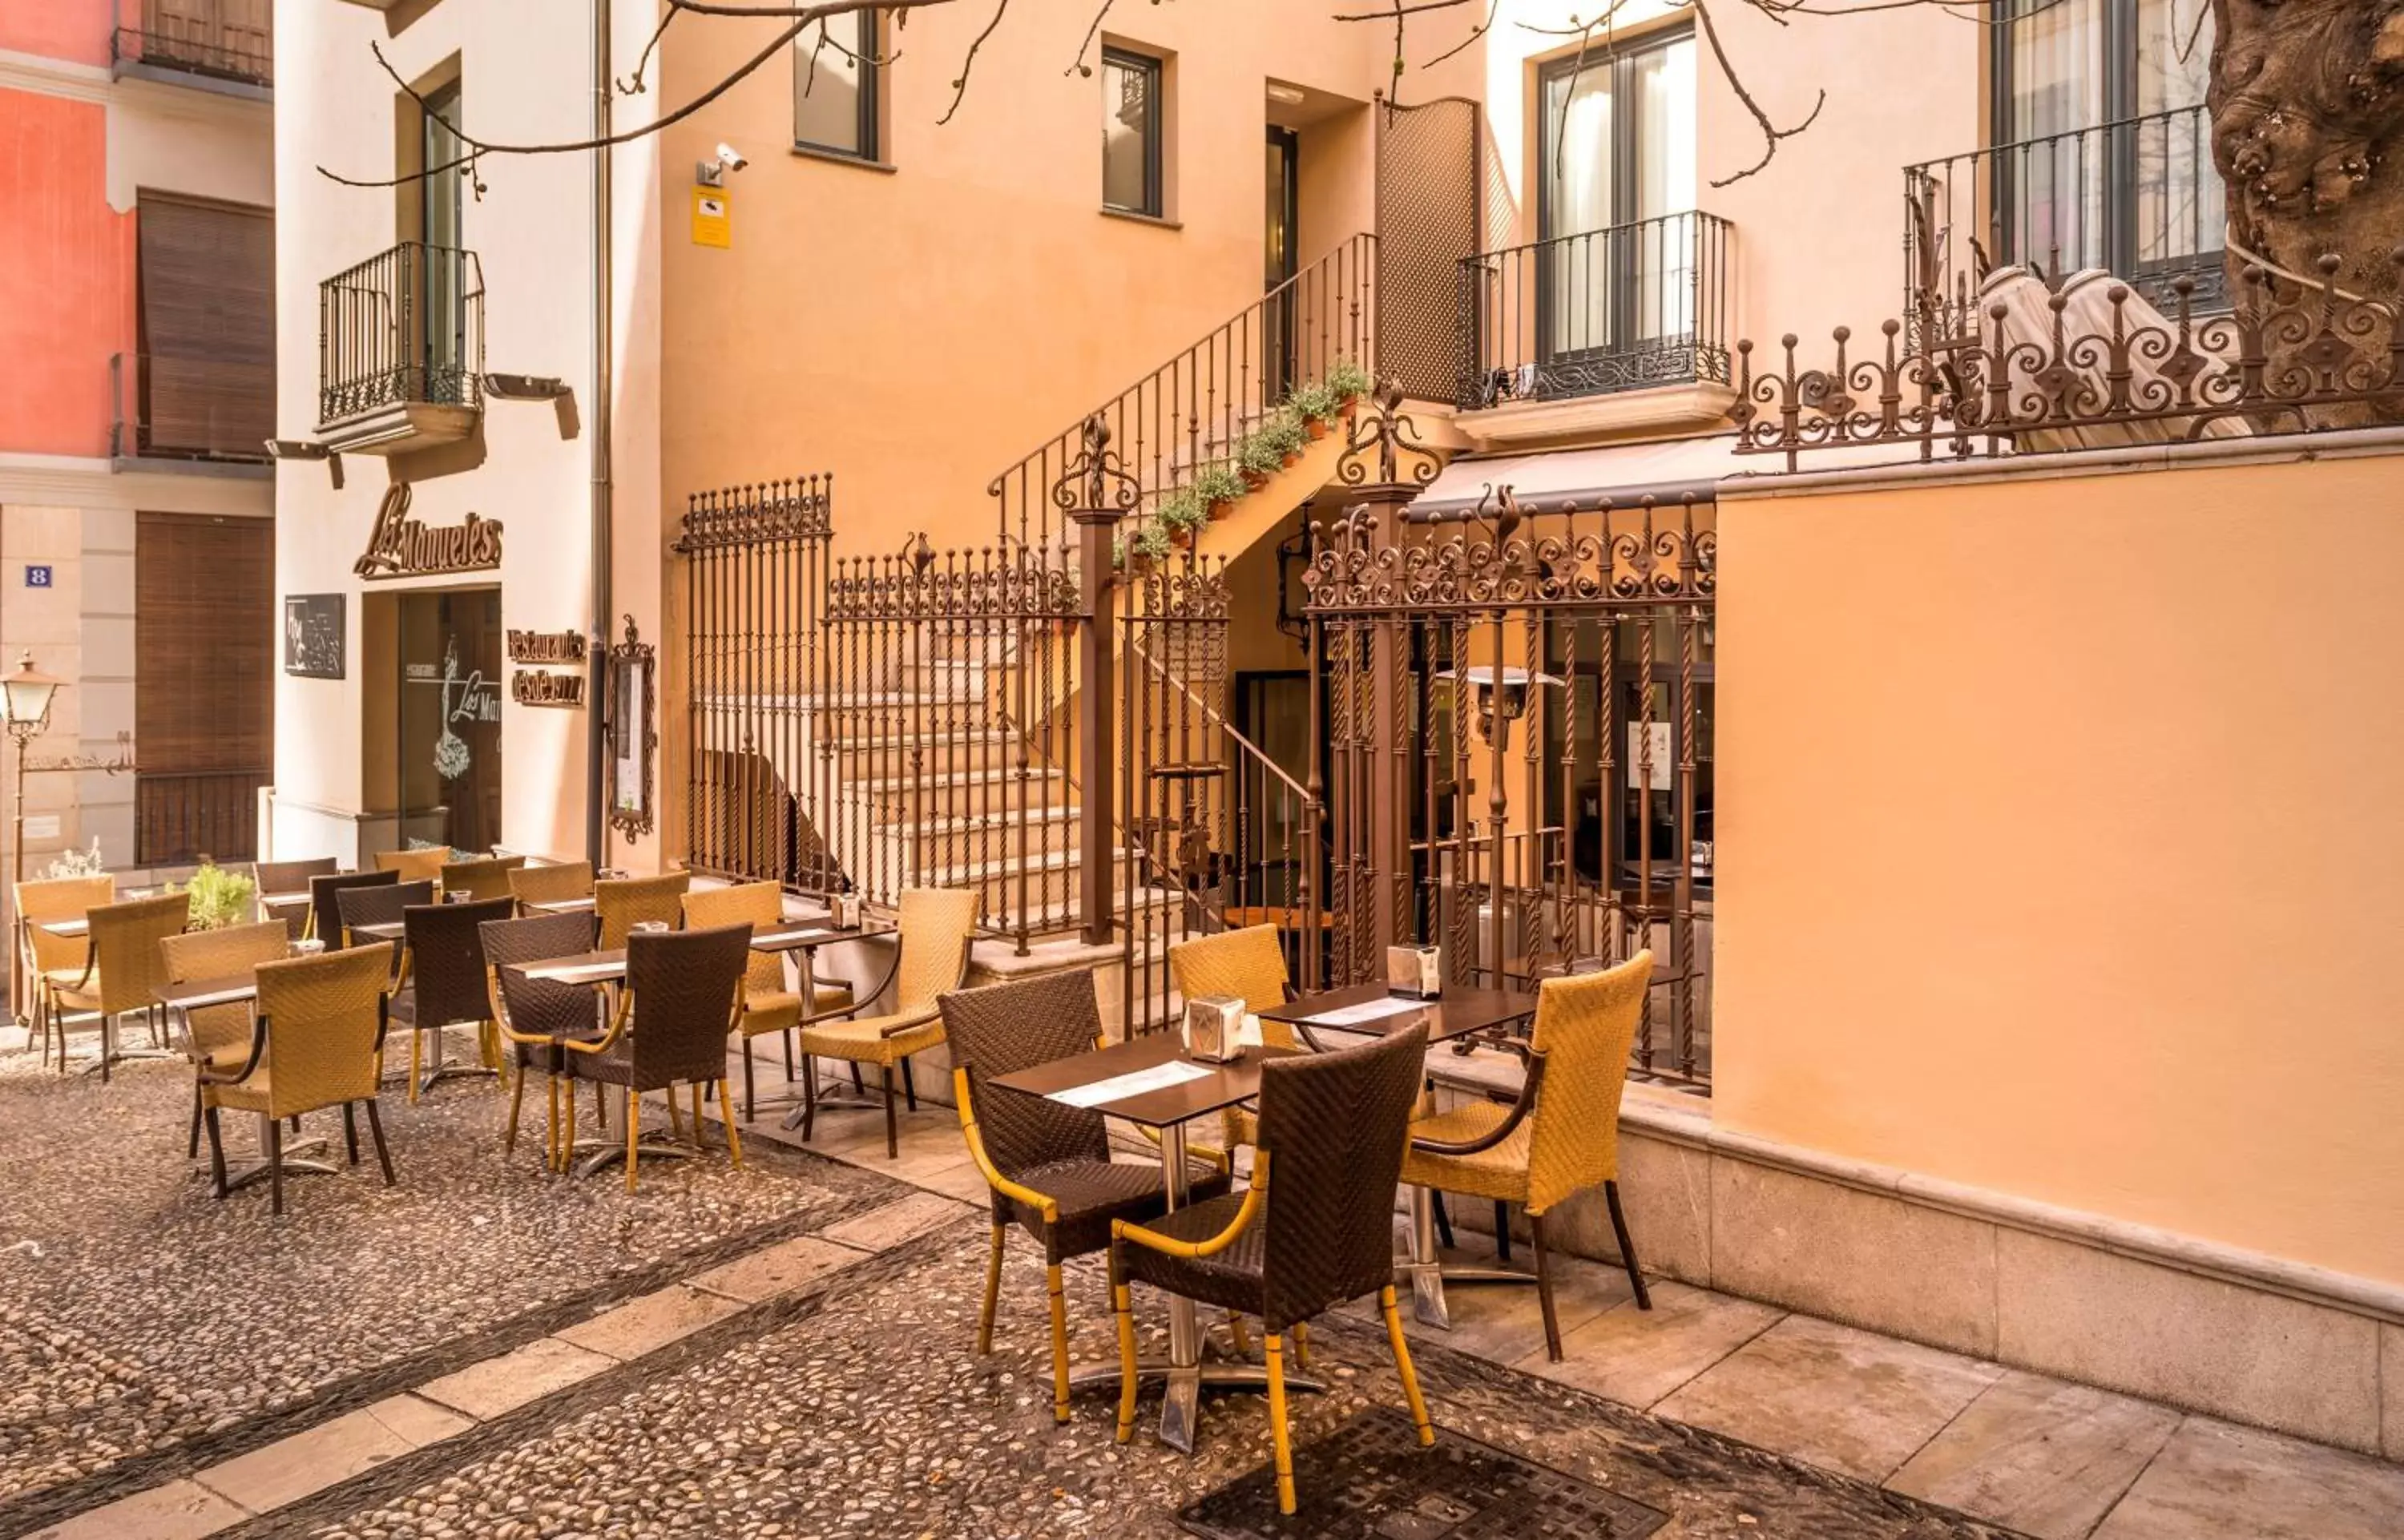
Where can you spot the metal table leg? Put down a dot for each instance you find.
(601, 1153)
(296, 1161)
(1427, 1275)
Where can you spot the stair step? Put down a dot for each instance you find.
(942, 780)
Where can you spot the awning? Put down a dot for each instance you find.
(1668, 470)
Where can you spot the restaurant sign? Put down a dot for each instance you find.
(401, 547)
(545, 686)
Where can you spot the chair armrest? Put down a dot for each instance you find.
(501, 1010)
(258, 1052)
(1017, 1192)
(1255, 1196)
(608, 1039)
(860, 1000)
(1519, 1110)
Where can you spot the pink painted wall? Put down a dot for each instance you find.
(76, 30)
(66, 270)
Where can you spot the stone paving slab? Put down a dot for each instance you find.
(310, 1462)
(181, 1510)
(772, 1271)
(655, 1319)
(882, 1228)
(1636, 1357)
(2042, 1456)
(486, 1390)
(2217, 1481)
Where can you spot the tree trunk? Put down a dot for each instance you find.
(2306, 103)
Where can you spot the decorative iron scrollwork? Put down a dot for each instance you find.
(764, 511)
(1646, 554)
(1096, 482)
(1388, 430)
(951, 585)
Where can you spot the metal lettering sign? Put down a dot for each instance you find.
(551, 647)
(542, 687)
(401, 547)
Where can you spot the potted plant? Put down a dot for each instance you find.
(1181, 514)
(1151, 544)
(1348, 382)
(1219, 486)
(1284, 433)
(1314, 403)
(218, 897)
(1259, 460)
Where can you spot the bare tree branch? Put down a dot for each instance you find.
(1770, 132)
(1078, 66)
(960, 86)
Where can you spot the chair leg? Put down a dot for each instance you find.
(550, 1124)
(1124, 1307)
(749, 1102)
(1243, 1336)
(992, 1292)
(857, 1082)
(376, 1132)
(1501, 1231)
(1059, 1344)
(809, 1095)
(416, 1050)
(1278, 1431)
(786, 1037)
(1627, 1247)
(1402, 1367)
(517, 1101)
(216, 1152)
(1443, 1221)
(1302, 1346)
(675, 1120)
(1544, 1288)
(274, 1166)
(892, 1127)
(565, 1154)
(193, 1153)
(351, 1130)
(698, 1142)
(909, 1086)
(733, 1135)
(634, 1132)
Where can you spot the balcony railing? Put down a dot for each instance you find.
(404, 327)
(197, 44)
(190, 409)
(1625, 308)
(2139, 198)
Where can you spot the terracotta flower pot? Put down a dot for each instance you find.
(1293, 458)
(1352, 404)
(1317, 426)
(1181, 538)
(1256, 479)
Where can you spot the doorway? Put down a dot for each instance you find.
(450, 719)
(1282, 239)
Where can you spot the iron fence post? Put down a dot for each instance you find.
(1095, 491)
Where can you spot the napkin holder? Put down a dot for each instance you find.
(843, 908)
(1415, 973)
(1214, 1027)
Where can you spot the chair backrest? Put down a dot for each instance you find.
(415, 865)
(231, 952)
(1248, 964)
(125, 940)
(325, 1019)
(325, 908)
(292, 877)
(61, 898)
(552, 882)
(759, 904)
(687, 987)
(479, 879)
(937, 926)
(539, 1007)
(388, 904)
(1007, 1028)
(1585, 1026)
(1334, 1127)
(446, 959)
(623, 902)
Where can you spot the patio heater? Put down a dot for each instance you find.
(26, 698)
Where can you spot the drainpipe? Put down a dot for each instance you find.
(596, 694)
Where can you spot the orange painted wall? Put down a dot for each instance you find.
(72, 30)
(67, 274)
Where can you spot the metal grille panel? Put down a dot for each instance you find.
(1427, 224)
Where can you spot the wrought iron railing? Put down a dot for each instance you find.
(2139, 198)
(1197, 406)
(405, 327)
(1624, 308)
(163, 39)
(180, 818)
(203, 409)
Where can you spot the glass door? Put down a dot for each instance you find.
(442, 337)
(451, 718)
(1278, 247)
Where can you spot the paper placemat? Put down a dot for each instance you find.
(791, 935)
(1368, 1010)
(564, 906)
(219, 997)
(67, 927)
(580, 973)
(1118, 1087)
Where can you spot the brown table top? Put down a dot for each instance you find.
(1220, 1085)
(65, 926)
(564, 906)
(1456, 1013)
(390, 930)
(607, 968)
(802, 935)
(193, 993)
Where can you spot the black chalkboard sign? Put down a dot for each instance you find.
(312, 635)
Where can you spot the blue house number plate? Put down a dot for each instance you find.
(37, 577)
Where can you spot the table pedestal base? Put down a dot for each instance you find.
(298, 1161)
(1180, 1403)
(1426, 1281)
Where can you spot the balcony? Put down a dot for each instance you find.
(2139, 198)
(197, 412)
(219, 45)
(1617, 328)
(400, 351)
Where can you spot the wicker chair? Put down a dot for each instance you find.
(488, 878)
(320, 1033)
(218, 1037)
(1563, 1134)
(1048, 1165)
(626, 902)
(291, 876)
(684, 990)
(447, 984)
(1314, 1230)
(556, 882)
(930, 956)
(536, 1016)
(325, 902)
(1249, 965)
(383, 903)
(52, 900)
(122, 973)
(424, 865)
(768, 1005)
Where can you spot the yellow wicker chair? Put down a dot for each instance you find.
(768, 1005)
(124, 971)
(1249, 965)
(416, 865)
(930, 957)
(319, 1030)
(488, 878)
(49, 900)
(554, 882)
(218, 1037)
(625, 903)
(1562, 1136)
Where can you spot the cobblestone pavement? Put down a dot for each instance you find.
(139, 1316)
(869, 1415)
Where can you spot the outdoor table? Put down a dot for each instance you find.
(1453, 1017)
(1151, 1082)
(69, 928)
(565, 906)
(390, 930)
(189, 996)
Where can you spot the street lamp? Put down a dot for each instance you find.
(26, 698)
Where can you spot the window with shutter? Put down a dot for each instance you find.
(208, 328)
(203, 685)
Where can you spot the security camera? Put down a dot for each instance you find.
(731, 158)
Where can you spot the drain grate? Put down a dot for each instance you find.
(1371, 1480)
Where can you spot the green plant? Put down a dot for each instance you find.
(1219, 483)
(1183, 510)
(1258, 457)
(1284, 432)
(1315, 402)
(1118, 550)
(1152, 541)
(77, 863)
(219, 898)
(1346, 379)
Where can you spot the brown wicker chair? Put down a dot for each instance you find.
(218, 1037)
(1563, 1134)
(1315, 1229)
(536, 1016)
(931, 957)
(1048, 1165)
(625, 903)
(50, 900)
(447, 985)
(485, 878)
(320, 1033)
(383, 904)
(325, 902)
(553, 882)
(684, 990)
(424, 865)
(122, 972)
(768, 1005)
(291, 876)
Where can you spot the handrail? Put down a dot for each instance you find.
(1211, 715)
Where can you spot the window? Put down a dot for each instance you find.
(835, 86)
(205, 383)
(1130, 133)
(442, 216)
